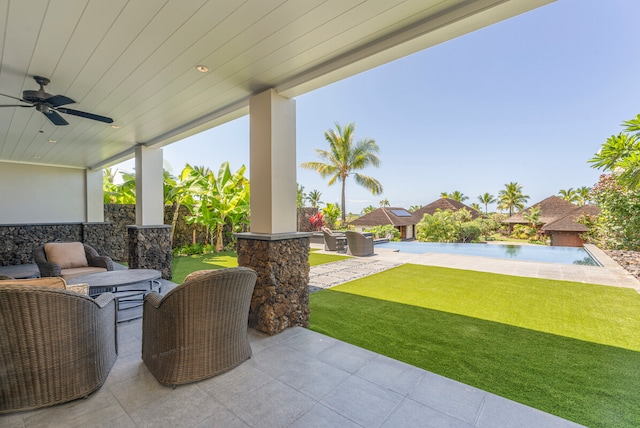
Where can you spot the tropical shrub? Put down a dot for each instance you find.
(191, 249)
(618, 224)
(469, 232)
(220, 201)
(331, 213)
(439, 227)
(386, 231)
(524, 231)
(317, 221)
(448, 226)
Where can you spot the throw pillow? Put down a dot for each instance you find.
(66, 254)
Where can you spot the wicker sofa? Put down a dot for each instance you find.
(359, 244)
(69, 259)
(199, 329)
(55, 345)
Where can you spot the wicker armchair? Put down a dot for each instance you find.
(199, 329)
(91, 263)
(331, 240)
(55, 345)
(358, 244)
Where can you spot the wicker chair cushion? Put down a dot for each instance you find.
(53, 282)
(66, 254)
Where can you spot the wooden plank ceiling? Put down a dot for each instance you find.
(135, 61)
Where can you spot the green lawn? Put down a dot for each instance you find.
(566, 348)
(184, 265)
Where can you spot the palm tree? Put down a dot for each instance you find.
(455, 195)
(583, 195)
(512, 197)
(300, 196)
(476, 206)
(343, 157)
(532, 215)
(620, 154)
(486, 199)
(314, 198)
(414, 208)
(368, 209)
(569, 195)
(384, 202)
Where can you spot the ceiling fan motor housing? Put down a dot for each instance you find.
(40, 94)
(35, 96)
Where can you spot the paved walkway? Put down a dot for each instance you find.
(610, 273)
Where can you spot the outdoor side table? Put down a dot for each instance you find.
(341, 244)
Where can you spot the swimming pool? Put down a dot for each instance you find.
(532, 253)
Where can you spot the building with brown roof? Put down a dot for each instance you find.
(551, 209)
(444, 204)
(399, 218)
(566, 231)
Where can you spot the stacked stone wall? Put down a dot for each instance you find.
(18, 241)
(108, 238)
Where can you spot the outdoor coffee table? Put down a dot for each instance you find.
(29, 270)
(130, 286)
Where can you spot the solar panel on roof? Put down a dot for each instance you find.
(401, 213)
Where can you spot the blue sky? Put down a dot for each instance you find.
(529, 100)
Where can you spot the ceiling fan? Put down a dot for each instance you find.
(51, 105)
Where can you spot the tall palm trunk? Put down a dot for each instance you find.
(344, 216)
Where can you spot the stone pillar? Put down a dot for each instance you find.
(150, 248)
(273, 248)
(281, 296)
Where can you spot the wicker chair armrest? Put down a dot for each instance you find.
(154, 298)
(103, 262)
(104, 299)
(48, 269)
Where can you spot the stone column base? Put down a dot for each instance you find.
(281, 296)
(150, 248)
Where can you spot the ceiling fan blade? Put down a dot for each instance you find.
(55, 118)
(85, 115)
(16, 105)
(58, 100)
(15, 98)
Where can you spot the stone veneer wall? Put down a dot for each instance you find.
(304, 224)
(150, 248)
(109, 238)
(124, 215)
(18, 241)
(281, 296)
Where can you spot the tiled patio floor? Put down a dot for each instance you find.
(300, 378)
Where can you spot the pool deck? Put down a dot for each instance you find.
(610, 273)
(300, 378)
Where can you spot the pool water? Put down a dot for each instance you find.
(533, 253)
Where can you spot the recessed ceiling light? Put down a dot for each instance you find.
(115, 126)
(53, 141)
(202, 68)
